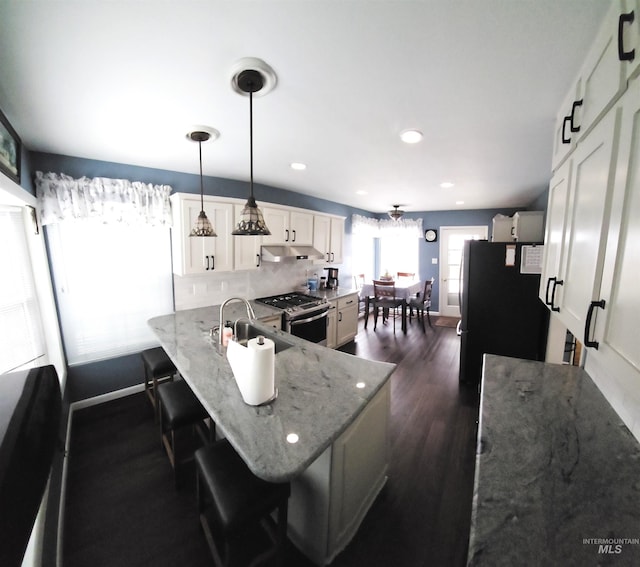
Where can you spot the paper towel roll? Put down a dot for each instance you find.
(253, 368)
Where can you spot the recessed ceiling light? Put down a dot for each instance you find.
(446, 184)
(459, 202)
(361, 192)
(411, 136)
(293, 438)
(298, 166)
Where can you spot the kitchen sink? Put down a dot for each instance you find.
(246, 331)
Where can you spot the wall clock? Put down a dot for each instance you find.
(431, 235)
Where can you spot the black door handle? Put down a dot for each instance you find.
(565, 140)
(587, 325)
(257, 260)
(294, 235)
(207, 257)
(553, 294)
(622, 54)
(286, 239)
(576, 104)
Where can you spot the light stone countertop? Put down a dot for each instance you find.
(317, 400)
(557, 478)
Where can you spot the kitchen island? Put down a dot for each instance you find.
(557, 478)
(326, 432)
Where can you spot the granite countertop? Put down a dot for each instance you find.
(557, 478)
(320, 391)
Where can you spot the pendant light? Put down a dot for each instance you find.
(395, 214)
(202, 226)
(250, 80)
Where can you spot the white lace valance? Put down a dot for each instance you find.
(378, 228)
(62, 198)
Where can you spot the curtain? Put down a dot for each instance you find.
(62, 198)
(376, 228)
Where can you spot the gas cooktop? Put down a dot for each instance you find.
(292, 301)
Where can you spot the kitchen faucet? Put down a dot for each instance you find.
(250, 313)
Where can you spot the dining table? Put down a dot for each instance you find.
(405, 289)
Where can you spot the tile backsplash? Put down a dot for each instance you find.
(201, 290)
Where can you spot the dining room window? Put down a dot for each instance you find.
(399, 253)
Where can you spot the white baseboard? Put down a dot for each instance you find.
(105, 397)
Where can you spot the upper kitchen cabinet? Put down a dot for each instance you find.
(246, 249)
(288, 226)
(328, 237)
(612, 59)
(571, 288)
(613, 333)
(195, 254)
(557, 213)
(629, 34)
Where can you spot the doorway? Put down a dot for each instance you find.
(451, 243)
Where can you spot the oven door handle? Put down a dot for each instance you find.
(295, 322)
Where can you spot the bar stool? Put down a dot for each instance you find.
(158, 368)
(232, 501)
(179, 410)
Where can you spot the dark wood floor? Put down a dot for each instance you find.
(122, 509)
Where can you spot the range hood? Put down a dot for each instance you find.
(286, 253)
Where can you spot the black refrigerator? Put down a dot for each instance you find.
(499, 305)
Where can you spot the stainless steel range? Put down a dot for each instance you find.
(304, 316)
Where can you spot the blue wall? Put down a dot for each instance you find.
(97, 378)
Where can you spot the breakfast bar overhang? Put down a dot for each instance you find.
(326, 432)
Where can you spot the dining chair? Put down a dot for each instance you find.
(407, 275)
(384, 295)
(422, 303)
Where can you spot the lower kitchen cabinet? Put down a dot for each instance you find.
(342, 320)
(330, 499)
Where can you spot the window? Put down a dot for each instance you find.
(363, 256)
(110, 279)
(21, 339)
(399, 253)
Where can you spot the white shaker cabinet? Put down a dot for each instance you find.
(195, 254)
(566, 128)
(602, 79)
(629, 37)
(246, 249)
(288, 226)
(332, 319)
(613, 333)
(557, 214)
(342, 320)
(328, 237)
(590, 188)
(603, 74)
(347, 319)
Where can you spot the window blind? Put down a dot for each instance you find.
(110, 279)
(21, 338)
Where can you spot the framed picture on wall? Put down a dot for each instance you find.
(10, 150)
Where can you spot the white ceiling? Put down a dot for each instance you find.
(124, 81)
